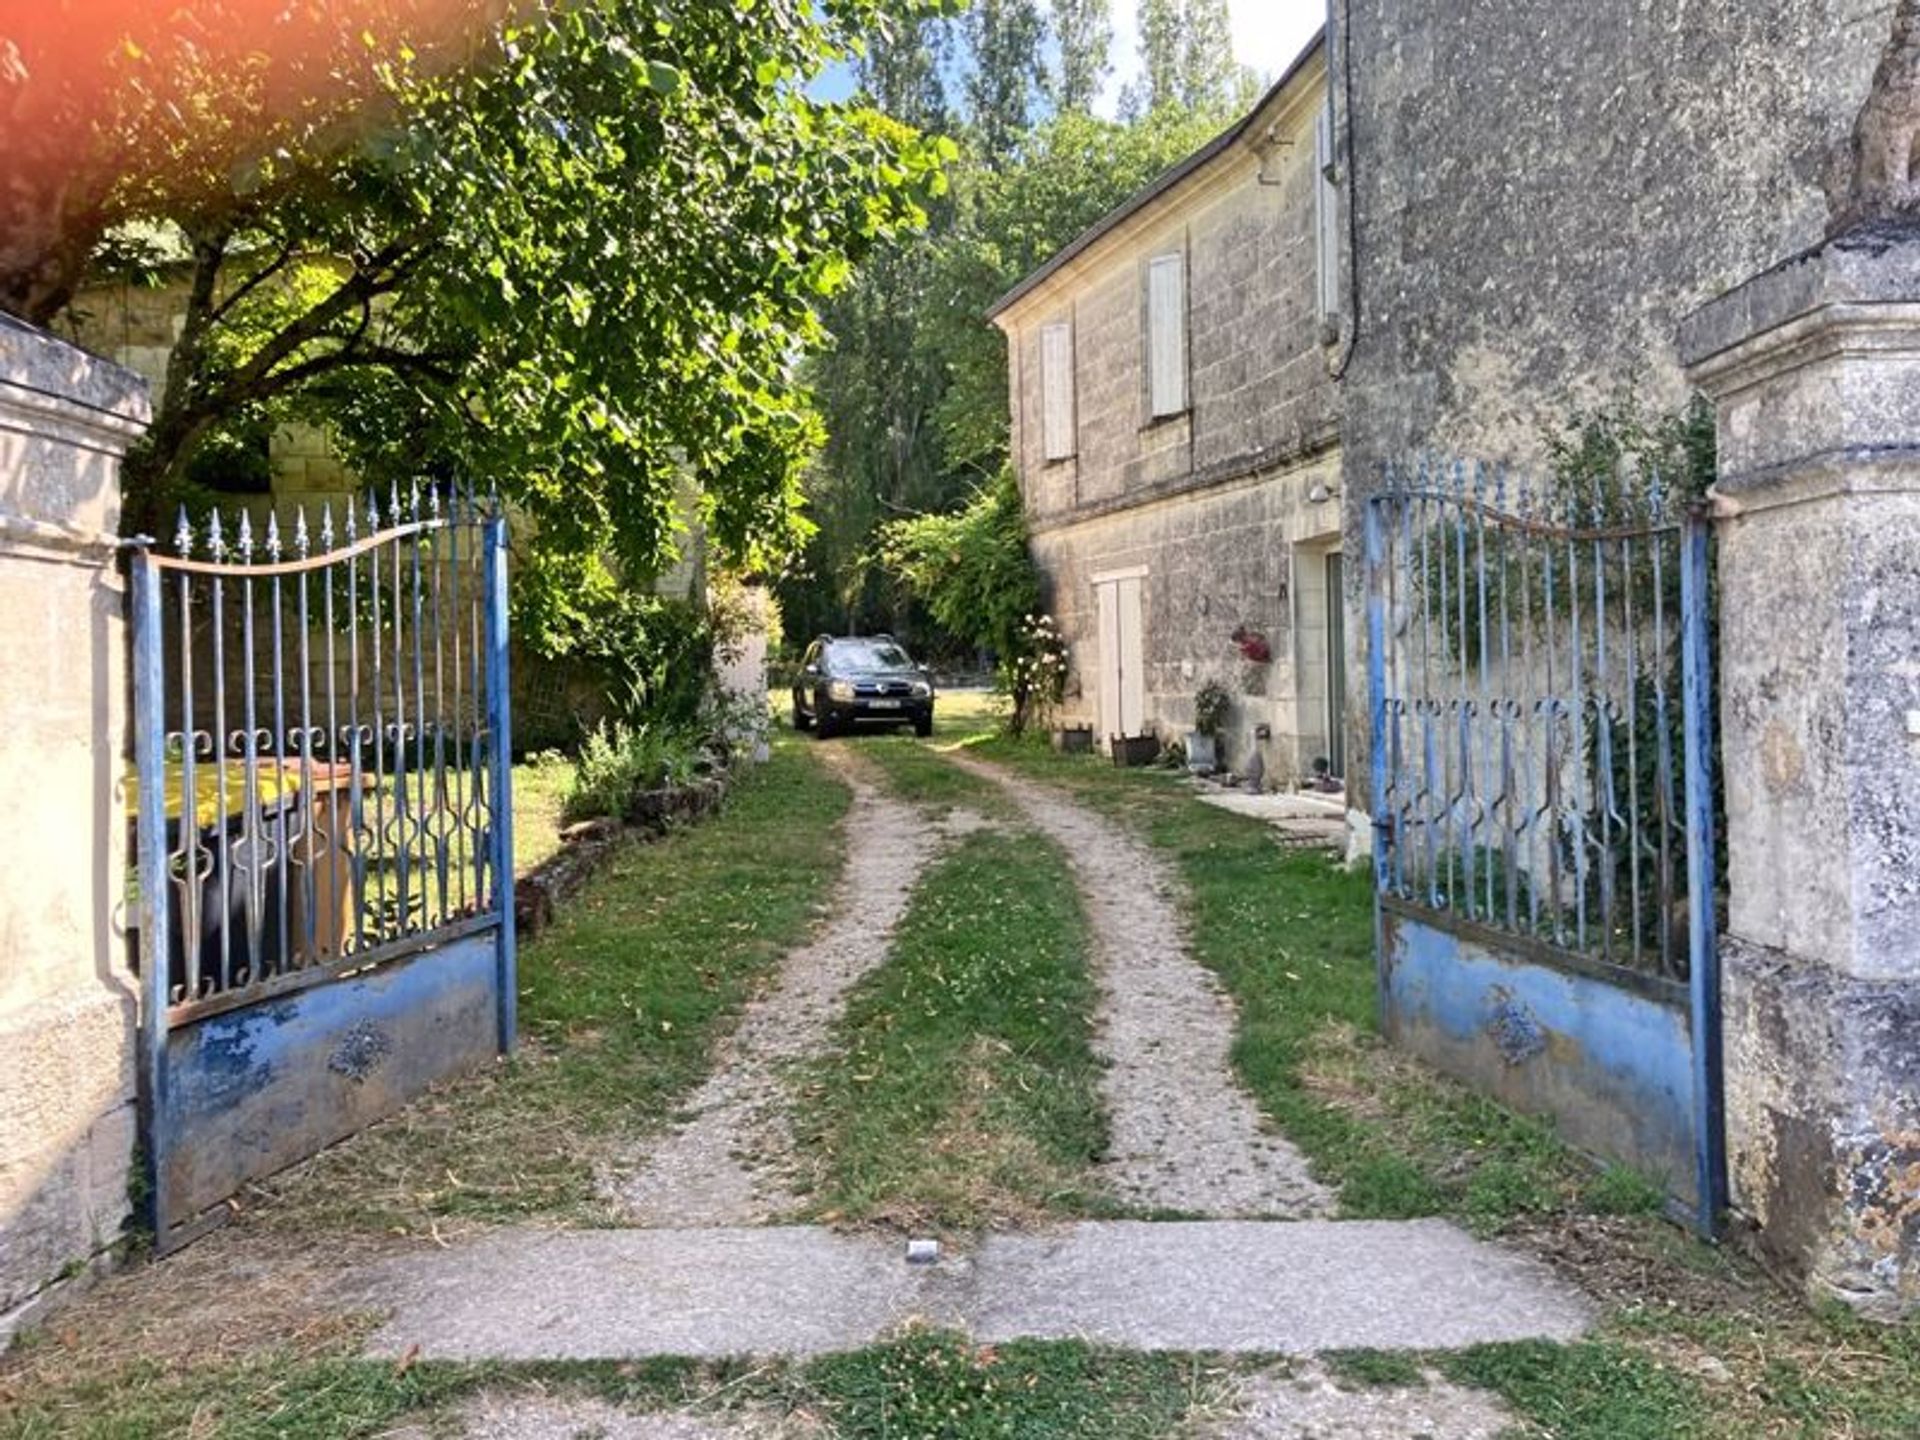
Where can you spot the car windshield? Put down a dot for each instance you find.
(870, 655)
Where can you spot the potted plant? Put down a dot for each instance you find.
(1210, 710)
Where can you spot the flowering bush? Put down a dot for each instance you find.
(1034, 674)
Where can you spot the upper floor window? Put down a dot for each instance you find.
(1056, 392)
(1166, 335)
(1326, 213)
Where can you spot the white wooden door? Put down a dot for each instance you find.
(1123, 688)
(1109, 596)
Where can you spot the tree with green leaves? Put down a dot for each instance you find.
(913, 390)
(119, 109)
(1209, 77)
(1083, 39)
(971, 569)
(1186, 60)
(577, 267)
(1007, 76)
(1162, 51)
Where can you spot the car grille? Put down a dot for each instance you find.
(883, 689)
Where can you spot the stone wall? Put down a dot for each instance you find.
(67, 1001)
(1215, 503)
(1815, 366)
(1232, 556)
(1541, 191)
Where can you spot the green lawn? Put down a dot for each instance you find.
(926, 1385)
(961, 1092)
(1693, 1341)
(540, 786)
(1291, 936)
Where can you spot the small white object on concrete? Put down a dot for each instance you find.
(923, 1252)
(1913, 723)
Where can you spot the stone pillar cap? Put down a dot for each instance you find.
(36, 362)
(1876, 262)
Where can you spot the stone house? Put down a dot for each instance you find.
(1175, 433)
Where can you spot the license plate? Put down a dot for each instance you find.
(884, 704)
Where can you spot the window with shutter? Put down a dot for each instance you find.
(1326, 208)
(1166, 335)
(1056, 392)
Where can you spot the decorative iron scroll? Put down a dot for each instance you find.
(1530, 713)
(328, 761)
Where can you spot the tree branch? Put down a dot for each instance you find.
(253, 282)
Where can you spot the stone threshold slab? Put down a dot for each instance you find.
(1236, 1286)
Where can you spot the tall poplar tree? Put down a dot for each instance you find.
(1083, 35)
(1006, 81)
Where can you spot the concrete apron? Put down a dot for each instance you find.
(1231, 1286)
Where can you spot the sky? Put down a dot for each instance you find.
(1267, 35)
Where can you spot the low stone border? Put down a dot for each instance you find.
(588, 845)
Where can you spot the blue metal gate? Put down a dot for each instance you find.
(1543, 799)
(324, 832)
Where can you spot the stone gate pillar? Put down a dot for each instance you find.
(67, 1009)
(1814, 368)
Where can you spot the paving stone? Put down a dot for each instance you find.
(1246, 1286)
(1236, 1286)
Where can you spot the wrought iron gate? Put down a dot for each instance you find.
(324, 828)
(1543, 793)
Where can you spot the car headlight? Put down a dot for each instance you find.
(841, 689)
(921, 689)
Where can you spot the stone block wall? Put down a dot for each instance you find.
(1259, 391)
(1228, 557)
(1815, 366)
(67, 1001)
(1541, 191)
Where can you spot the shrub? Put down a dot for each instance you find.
(619, 762)
(972, 571)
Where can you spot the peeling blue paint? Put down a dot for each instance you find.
(1615, 1068)
(360, 1051)
(1516, 1034)
(255, 1090)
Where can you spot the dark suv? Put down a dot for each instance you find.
(865, 680)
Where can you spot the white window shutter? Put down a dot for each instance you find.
(1167, 335)
(1056, 391)
(1326, 208)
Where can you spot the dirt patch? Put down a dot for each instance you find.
(1306, 1404)
(235, 1293)
(732, 1161)
(522, 1416)
(1186, 1136)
